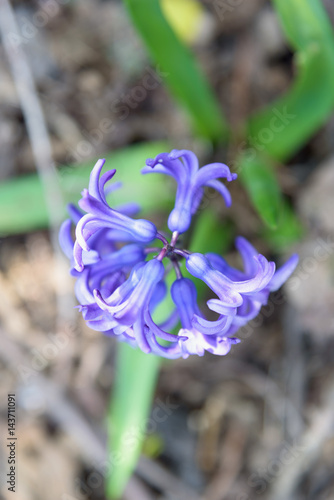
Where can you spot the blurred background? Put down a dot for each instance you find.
(257, 423)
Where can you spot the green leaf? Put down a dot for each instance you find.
(22, 203)
(289, 230)
(278, 131)
(259, 178)
(210, 233)
(178, 68)
(286, 125)
(136, 376)
(313, 22)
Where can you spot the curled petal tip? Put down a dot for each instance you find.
(150, 162)
(173, 154)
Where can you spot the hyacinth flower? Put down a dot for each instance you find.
(100, 216)
(121, 277)
(184, 295)
(252, 300)
(184, 168)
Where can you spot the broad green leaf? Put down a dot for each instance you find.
(259, 178)
(178, 68)
(135, 381)
(286, 125)
(22, 204)
(278, 131)
(313, 22)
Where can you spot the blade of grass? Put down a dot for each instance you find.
(180, 71)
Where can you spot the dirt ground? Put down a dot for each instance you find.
(256, 424)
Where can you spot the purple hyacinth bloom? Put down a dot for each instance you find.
(119, 307)
(119, 287)
(255, 299)
(101, 243)
(184, 295)
(230, 291)
(100, 216)
(129, 304)
(183, 166)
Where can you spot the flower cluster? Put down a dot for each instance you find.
(121, 280)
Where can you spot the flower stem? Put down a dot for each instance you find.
(162, 238)
(162, 254)
(174, 239)
(177, 269)
(183, 253)
(151, 250)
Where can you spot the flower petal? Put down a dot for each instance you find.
(213, 171)
(283, 273)
(189, 158)
(184, 295)
(248, 252)
(218, 327)
(65, 238)
(93, 187)
(222, 190)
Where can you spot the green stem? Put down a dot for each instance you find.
(135, 382)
